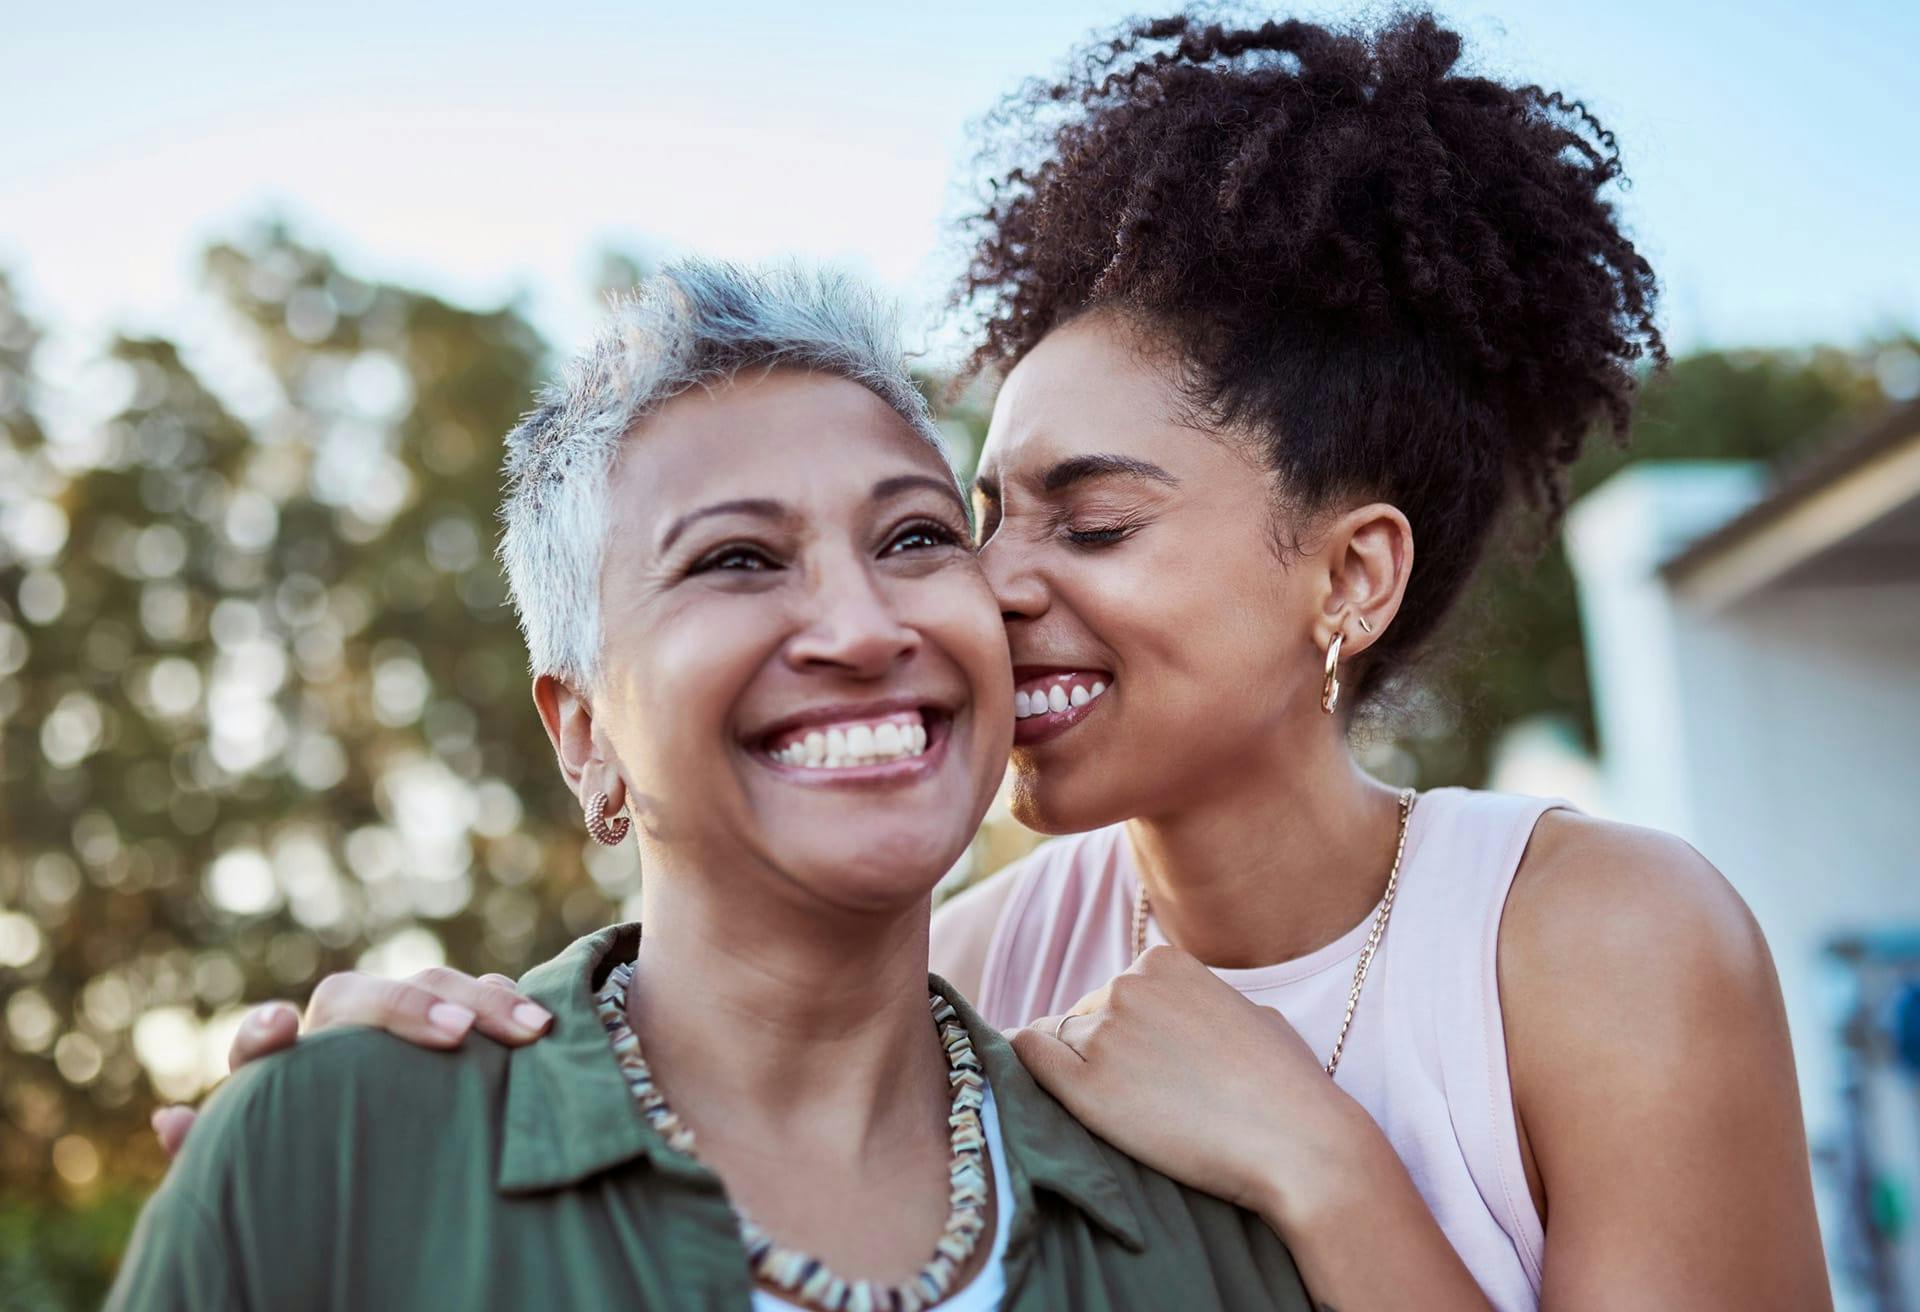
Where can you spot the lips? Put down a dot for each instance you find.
(1049, 701)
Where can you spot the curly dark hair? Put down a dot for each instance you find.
(1407, 281)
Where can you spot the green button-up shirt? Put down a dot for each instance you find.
(357, 1172)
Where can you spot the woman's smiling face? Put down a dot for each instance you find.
(1156, 638)
(803, 669)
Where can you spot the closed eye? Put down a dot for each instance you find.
(1100, 535)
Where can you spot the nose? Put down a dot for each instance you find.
(855, 628)
(1017, 586)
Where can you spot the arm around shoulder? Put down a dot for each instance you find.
(1653, 1078)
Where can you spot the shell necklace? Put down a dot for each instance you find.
(806, 1279)
(1141, 909)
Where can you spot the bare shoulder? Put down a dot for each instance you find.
(963, 928)
(1630, 971)
(1592, 896)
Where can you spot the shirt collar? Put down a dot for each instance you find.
(570, 1114)
(1046, 1148)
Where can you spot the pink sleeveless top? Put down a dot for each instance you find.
(1426, 1054)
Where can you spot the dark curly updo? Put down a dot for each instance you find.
(1406, 281)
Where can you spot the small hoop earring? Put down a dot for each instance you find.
(1330, 690)
(609, 832)
(1364, 626)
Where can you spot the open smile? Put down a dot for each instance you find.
(864, 746)
(1048, 702)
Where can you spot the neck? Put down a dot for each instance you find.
(1277, 859)
(775, 1019)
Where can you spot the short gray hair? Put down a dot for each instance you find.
(697, 323)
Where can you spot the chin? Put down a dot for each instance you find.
(883, 872)
(1064, 800)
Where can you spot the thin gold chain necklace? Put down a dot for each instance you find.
(1141, 909)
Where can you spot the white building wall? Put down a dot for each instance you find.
(1780, 736)
(1801, 733)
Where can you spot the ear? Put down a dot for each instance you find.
(1368, 558)
(568, 719)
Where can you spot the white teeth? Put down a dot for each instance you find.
(1052, 701)
(862, 744)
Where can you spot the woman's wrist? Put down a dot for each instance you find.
(1350, 1169)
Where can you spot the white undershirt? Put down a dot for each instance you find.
(984, 1291)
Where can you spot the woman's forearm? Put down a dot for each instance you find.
(1368, 1240)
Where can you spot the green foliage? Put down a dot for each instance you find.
(264, 706)
(55, 1256)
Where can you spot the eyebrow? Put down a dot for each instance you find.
(759, 508)
(893, 487)
(1079, 469)
(764, 508)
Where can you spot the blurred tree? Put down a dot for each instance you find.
(262, 705)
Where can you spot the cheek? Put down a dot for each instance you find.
(680, 697)
(1201, 619)
(963, 621)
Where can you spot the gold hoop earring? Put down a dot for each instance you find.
(1330, 690)
(605, 831)
(1364, 626)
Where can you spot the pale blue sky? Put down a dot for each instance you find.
(485, 149)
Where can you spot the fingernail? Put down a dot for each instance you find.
(154, 1120)
(532, 1016)
(450, 1018)
(263, 1017)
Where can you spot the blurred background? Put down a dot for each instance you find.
(273, 284)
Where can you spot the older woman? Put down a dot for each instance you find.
(743, 571)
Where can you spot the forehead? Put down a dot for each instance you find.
(811, 440)
(1088, 386)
